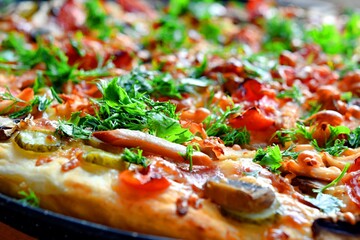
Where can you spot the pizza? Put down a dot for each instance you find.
(191, 119)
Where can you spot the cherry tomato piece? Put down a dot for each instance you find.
(253, 119)
(149, 182)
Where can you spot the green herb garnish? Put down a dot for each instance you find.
(29, 198)
(216, 125)
(134, 156)
(269, 157)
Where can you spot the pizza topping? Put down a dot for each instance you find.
(240, 195)
(116, 161)
(75, 156)
(216, 125)
(42, 160)
(37, 141)
(253, 119)
(128, 107)
(270, 157)
(29, 198)
(106, 159)
(147, 179)
(7, 128)
(152, 144)
(351, 180)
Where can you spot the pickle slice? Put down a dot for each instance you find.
(106, 159)
(37, 141)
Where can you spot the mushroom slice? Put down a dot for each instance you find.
(307, 185)
(329, 229)
(242, 199)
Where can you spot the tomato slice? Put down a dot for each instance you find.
(149, 182)
(253, 119)
(355, 166)
(352, 182)
(250, 90)
(71, 16)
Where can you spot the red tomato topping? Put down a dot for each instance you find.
(352, 181)
(150, 181)
(251, 90)
(75, 155)
(71, 16)
(253, 119)
(355, 166)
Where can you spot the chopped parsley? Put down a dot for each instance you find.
(96, 18)
(130, 109)
(55, 60)
(171, 34)
(270, 158)
(336, 180)
(346, 96)
(176, 7)
(279, 32)
(29, 198)
(40, 102)
(293, 134)
(293, 93)
(154, 84)
(134, 156)
(289, 153)
(354, 138)
(333, 144)
(188, 155)
(215, 125)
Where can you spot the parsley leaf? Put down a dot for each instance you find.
(269, 157)
(96, 18)
(39, 82)
(289, 153)
(293, 93)
(334, 145)
(335, 150)
(354, 138)
(171, 34)
(328, 203)
(188, 155)
(135, 156)
(280, 32)
(288, 135)
(29, 198)
(176, 7)
(41, 102)
(55, 60)
(336, 180)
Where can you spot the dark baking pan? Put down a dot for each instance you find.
(44, 224)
